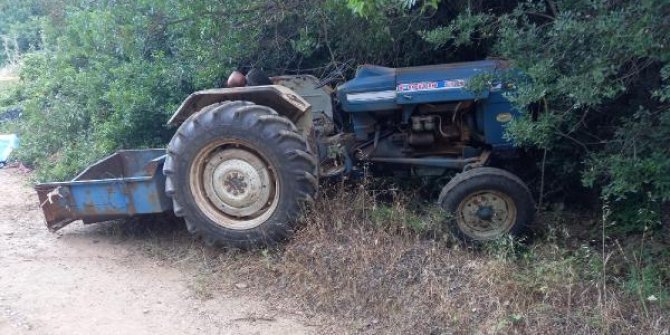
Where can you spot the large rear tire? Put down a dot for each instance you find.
(487, 203)
(239, 174)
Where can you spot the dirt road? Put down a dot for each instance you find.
(81, 281)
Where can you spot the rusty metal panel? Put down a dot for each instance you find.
(307, 87)
(124, 184)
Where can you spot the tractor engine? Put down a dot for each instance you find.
(436, 124)
(423, 119)
(432, 130)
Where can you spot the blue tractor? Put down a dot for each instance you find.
(246, 160)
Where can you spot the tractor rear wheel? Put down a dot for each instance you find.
(487, 203)
(239, 174)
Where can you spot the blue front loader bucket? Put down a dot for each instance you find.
(127, 183)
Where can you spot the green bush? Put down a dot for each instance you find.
(601, 74)
(104, 78)
(98, 76)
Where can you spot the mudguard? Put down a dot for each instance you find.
(282, 99)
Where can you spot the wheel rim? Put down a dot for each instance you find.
(233, 185)
(486, 215)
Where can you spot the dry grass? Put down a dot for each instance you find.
(373, 265)
(8, 77)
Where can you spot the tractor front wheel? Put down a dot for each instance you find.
(239, 174)
(487, 203)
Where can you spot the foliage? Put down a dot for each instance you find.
(368, 7)
(19, 27)
(596, 67)
(600, 72)
(104, 78)
(463, 30)
(97, 77)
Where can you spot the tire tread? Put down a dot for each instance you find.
(244, 115)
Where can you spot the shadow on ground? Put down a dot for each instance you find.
(146, 227)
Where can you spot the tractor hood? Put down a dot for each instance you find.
(382, 88)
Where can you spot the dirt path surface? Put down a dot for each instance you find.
(79, 282)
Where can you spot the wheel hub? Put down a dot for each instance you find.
(237, 182)
(486, 214)
(234, 183)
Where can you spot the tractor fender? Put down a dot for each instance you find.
(282, 99)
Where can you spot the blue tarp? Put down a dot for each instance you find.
(7, 144)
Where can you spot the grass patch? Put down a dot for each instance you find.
(384, 265)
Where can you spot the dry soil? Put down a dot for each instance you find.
(79, 281)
